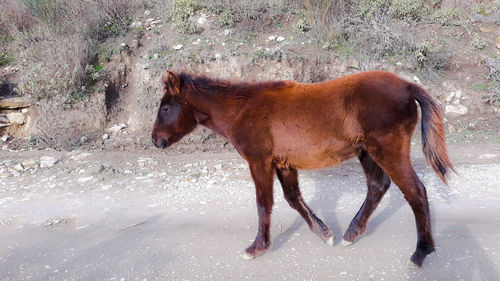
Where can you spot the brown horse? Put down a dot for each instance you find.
(282, 126)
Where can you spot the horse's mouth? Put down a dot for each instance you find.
(161, 143)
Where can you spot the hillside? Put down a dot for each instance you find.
(88, 76)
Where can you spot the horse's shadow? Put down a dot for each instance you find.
(460, 258)
(326, 209)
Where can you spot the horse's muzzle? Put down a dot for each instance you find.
(160, 143)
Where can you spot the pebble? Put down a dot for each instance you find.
(116, 128)
(456, 109)
(48, 161)
(18, 167)
(29, 163)
(177, 47)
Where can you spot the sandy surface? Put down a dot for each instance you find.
(158, 216)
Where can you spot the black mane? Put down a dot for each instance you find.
(224, 88)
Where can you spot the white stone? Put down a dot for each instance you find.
(116, 128)
(48, 161)
(449, 97)
(18, 167)
(416, 79)
(177, 47)
(85, 179)
(456, 109)
(105, 136)
(25, 110)
(227, 32)
(15, 118)
(29, 163)
(202, 20)
(280, 39)
(271, 38)
(458, 94)
(218, 56)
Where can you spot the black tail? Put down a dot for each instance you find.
(433, 141)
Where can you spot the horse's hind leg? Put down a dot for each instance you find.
(378, 183)
(289, 181)
(396, 163)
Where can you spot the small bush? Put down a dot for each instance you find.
(5, 59)
(478, 43)
(302, 25)
(432, 60)
(449, 17)
(405, 10)
(227, 18)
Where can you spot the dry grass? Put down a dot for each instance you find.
(54, 41)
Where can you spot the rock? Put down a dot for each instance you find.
(271, 38)
(48, 161)
(29, 163)
(202, 20)
(177, 47)
(451, 129)
(4, 120)
(136, 24)
(449, 97)
(280, 39)
(5, 138)
(227, 32)
(105, 136)
(85, 179)
(15, 118)
(497, 41)
(13, 103)
(116, 128)
(456, 110)
(486, 29)
(18, 167)
(416, 79)
(25, 110)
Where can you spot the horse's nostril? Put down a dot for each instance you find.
(160, 143)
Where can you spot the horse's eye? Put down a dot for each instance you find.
(164, 109)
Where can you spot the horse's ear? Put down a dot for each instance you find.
(171, 82)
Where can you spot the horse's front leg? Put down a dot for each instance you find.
(262, 174)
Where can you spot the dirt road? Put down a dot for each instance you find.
(156, 216)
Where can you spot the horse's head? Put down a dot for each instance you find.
(175, 117)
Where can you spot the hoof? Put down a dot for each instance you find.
(413, 265)
(330, 241)
(247, 256)
(346, 243)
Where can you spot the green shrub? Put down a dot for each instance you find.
(302, 25)
(432, 60)
(405, 10)
(5, 59)
(228, 18)
(449, 17)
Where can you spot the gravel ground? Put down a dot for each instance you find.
(162, 216)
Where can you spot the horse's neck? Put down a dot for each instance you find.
(218, 113)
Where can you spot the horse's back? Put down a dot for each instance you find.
(323, 124)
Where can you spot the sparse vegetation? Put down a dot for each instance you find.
(432, 59)
(5, 59)
(448, 16)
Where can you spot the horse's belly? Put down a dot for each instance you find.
(314, 157)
